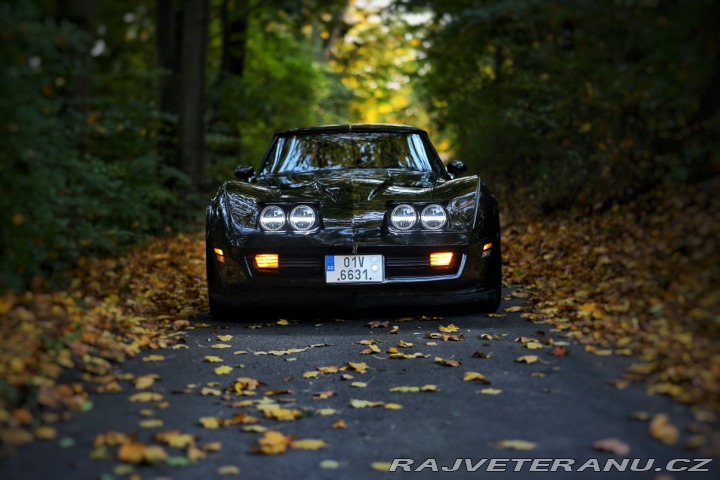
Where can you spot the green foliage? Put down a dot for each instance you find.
(283, 86)
(74, 182)
(578, 102)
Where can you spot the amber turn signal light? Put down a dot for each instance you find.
(219, 254)
(267, 260)
(441, 259)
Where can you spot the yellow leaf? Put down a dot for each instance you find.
(146, 397)
(228, 470)
(360, 367)
(661, 429)
(254, 428)
(312, 374)
(405, 389)
(224, 338)
(151, 423)
(45, 432)
(527, 359)
(325, 411)
(358, 384)
(273, 443)
(211, 422)
(429, 388)
(339, 424)
(221, 345)
(308, 444)
(491, 391)
(365, 403)
(381, 466)
(470, 376)
(533, 345)
(144, 382)
(212, 447)
(154, 358)
(449, 329)
(175, 438)
(131, 453)
(393, 406)
(330, 464)
(223, 370)
(212, 359)
(516, 444)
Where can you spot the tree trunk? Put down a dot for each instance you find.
(192, 90)
(169, 22)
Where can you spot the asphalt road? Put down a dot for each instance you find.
(562, 404)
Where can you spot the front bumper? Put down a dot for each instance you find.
(301, 282)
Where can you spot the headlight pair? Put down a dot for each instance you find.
(405, 217)
(274, 218)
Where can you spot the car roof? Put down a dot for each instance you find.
(355, 127)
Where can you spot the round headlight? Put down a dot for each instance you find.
(403, 217)
(272, 218)
(433, 217)
(302, 217)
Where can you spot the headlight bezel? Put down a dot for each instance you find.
(408, 216)
(419, 207)
(282, 218)
(288, 209)
(425, 222)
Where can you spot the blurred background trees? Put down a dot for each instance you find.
(119, 119)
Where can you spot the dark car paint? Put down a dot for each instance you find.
(353, 205)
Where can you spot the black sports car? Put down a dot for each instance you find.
(353, 215)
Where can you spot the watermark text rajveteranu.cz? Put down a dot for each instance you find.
(552, 465)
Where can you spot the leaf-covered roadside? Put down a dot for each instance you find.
(639, 279)
(114, 308)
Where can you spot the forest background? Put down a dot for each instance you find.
(119, 119)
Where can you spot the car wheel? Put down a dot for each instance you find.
(221, 311)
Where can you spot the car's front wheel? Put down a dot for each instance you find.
(221, 311)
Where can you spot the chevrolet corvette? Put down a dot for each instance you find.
(353, 216)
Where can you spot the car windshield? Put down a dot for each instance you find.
(311, 152)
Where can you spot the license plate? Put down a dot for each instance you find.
(354, 268)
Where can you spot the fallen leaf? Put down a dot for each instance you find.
(449, 329)
(490, 391)
(661, 429)
(273, 443)
(339, 424)
(151, 423)
(378, 324)
(154, 358)
(228, 470)
(223, 370)
(224, 338)
(394, 330)
(612, 445)
(358, 384)
(308, 444)
(527, 359)
(330, 464)
(381, 466)
(471, 376)
(365, 403)
(447, 362)
(146, 397)
(212, 359)
(560, 351)
(221, 346)
(516, 444)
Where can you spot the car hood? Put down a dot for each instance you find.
(351, 186)
(353, 199)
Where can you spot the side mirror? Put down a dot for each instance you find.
(456, 168)
(244, 172)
